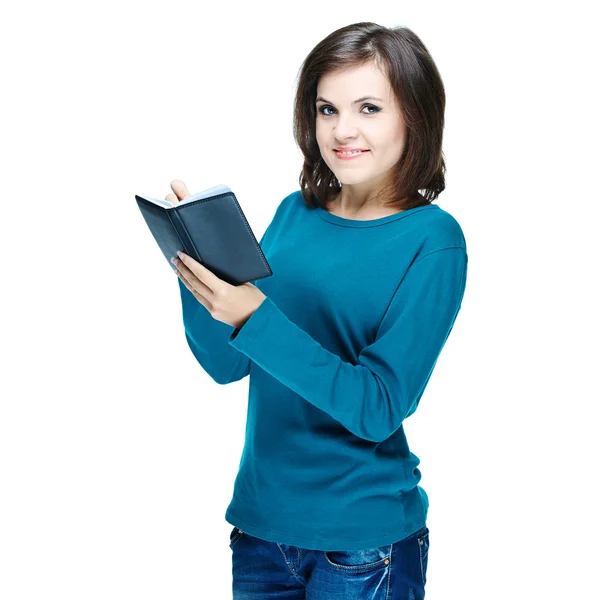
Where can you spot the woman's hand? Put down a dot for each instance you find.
(230, 304)
(180, 191)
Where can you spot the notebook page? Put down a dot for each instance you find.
(213, 191)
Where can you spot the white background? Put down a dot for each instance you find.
(118, 453)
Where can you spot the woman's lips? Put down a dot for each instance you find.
(351, 155)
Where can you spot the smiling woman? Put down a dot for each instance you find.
(377, 90)
(341, 341)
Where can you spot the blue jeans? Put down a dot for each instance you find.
(263, 570)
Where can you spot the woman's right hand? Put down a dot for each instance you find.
(180, 191)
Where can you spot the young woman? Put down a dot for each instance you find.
(340, 342)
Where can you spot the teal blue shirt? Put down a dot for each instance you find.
(338, 356)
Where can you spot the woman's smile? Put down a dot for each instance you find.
(349, 155)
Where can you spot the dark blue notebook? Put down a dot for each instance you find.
(211, 228)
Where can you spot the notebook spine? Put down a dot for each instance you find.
(187, 242)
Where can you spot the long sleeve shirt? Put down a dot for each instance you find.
(338, 356)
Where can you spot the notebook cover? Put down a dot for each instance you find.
(213, 231)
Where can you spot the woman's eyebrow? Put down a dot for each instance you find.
(320, 99)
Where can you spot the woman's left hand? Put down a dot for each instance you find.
(230, 304)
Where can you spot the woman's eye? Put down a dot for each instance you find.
(323, 108)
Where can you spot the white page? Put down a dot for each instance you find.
(213, 191)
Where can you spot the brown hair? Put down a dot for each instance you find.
(418, 89)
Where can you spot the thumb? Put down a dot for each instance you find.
(180, 189)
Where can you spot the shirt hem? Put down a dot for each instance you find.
(332, 545)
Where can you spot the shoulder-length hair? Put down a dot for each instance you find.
(418, 89)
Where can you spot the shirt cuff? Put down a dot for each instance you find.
(241, 336)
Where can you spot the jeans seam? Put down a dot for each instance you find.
(420, 542)
(389, 571)
(293, 572)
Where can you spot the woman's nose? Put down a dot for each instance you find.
(345, 128)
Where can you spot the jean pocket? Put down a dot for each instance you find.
(235, 536)
(359, 561)
(423, 540)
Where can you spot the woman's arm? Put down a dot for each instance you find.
(208, 340)
(372, 398)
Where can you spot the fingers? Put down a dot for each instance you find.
(194, 281)
(179, 188)
(171, 198)
(203, 301)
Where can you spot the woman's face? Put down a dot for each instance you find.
(374, 125)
